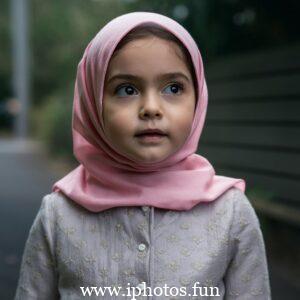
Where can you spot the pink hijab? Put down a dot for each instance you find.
(105, 178)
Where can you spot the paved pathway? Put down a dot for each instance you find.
(25, 177)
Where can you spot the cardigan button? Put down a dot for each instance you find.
(142, 247)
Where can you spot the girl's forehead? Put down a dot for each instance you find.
(153, 53)
(149, 43)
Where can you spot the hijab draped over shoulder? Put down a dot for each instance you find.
(105, 178)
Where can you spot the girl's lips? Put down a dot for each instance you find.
(151, 138)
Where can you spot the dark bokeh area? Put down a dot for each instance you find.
(252, 64)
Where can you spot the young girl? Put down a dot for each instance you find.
(143, 216)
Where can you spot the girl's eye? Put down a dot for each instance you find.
(128, 89)
(175, 88)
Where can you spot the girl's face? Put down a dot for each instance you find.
(148, 85)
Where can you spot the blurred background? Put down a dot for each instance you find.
(251, 53)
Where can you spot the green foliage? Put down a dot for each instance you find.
(51, 123)
(60, 32)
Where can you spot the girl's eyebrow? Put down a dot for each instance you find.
(140, 79)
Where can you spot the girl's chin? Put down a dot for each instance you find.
(149, 159)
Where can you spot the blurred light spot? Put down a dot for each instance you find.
(13, 106)
(245, 17)
(180, 12)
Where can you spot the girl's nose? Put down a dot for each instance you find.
(150, 107)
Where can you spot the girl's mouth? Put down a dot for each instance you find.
(151, 137)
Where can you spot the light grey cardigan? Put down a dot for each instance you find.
(217, 244)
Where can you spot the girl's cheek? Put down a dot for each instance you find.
(183, 121)
(119, 120)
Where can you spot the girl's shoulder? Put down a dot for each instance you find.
(234, 199)
(233, 208)
(55, 206)
(226, 201)
(242, 204)
(55, 201)
(244, 217)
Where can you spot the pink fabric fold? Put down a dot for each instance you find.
(105, 178)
